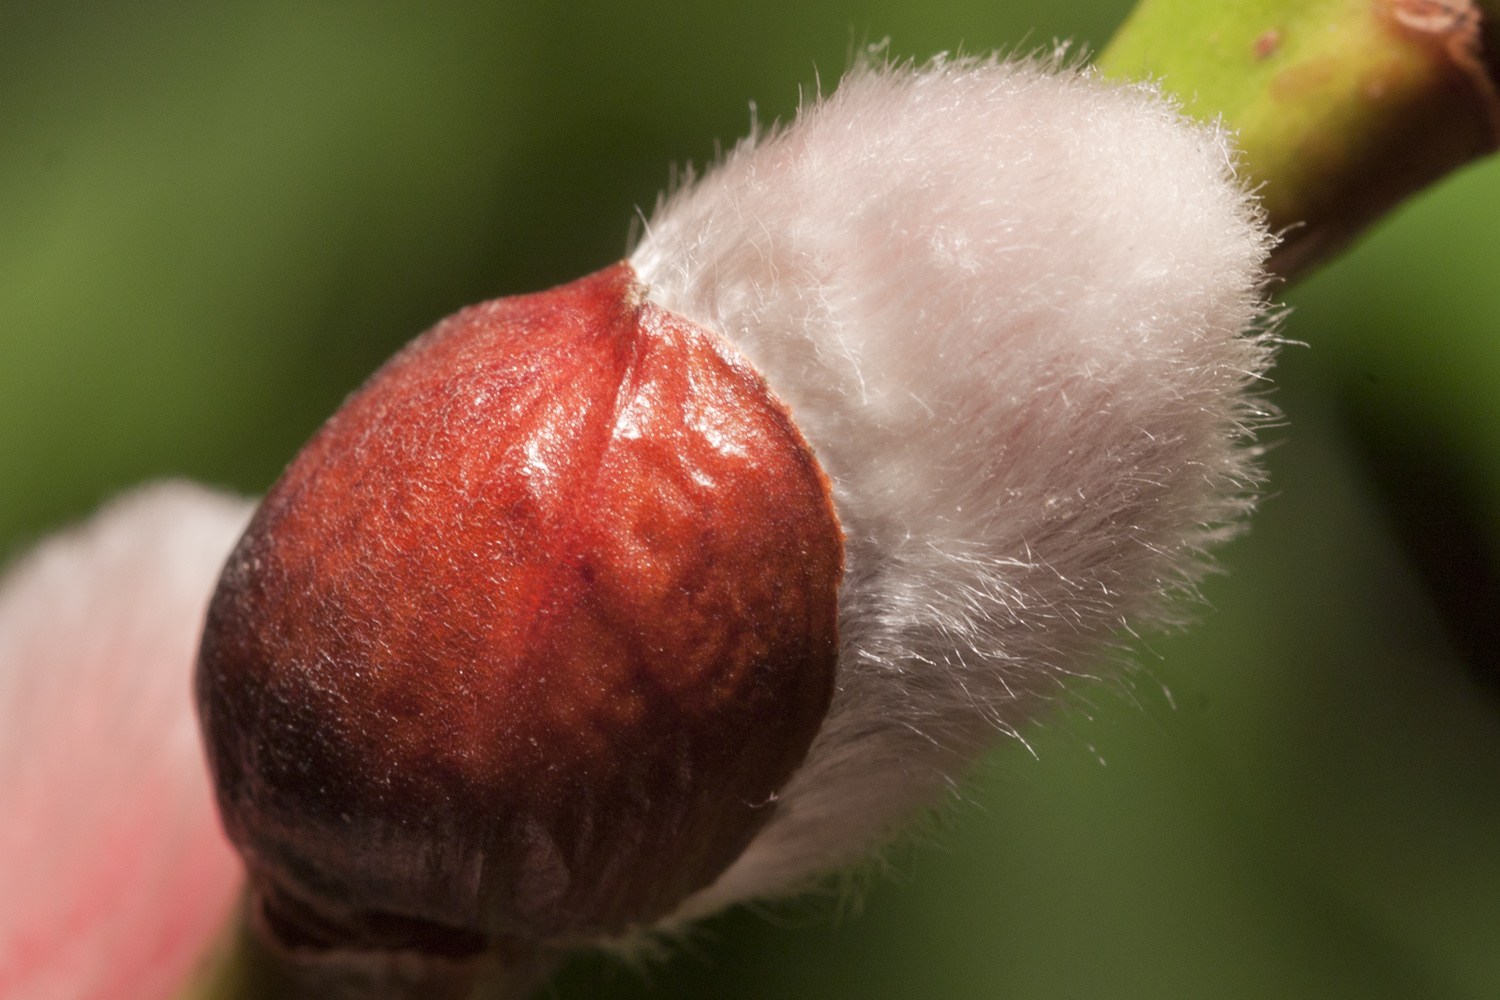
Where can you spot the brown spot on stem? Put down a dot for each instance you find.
(1296, 82)
(1382, 80)
(1267, 43)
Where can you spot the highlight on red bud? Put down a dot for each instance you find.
(523, 644)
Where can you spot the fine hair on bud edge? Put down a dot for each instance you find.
(1019, 314)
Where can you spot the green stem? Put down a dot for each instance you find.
(1343, 108)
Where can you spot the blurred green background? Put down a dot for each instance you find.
(216, 219)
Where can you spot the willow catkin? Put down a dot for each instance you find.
(1016, 311)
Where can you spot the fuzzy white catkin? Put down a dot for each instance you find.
(1014, 308)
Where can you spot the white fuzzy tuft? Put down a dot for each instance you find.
(1012, 308)
(114, 874)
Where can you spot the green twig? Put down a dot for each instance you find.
(1343, 107)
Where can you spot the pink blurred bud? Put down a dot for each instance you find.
(114, 874)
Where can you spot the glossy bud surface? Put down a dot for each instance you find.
(523, 643)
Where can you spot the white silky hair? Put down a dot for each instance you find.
(1017, 312)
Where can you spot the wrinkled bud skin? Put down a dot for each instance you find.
(526, 639)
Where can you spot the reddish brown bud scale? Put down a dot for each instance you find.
(526, 639)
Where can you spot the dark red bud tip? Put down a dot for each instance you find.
(525, 640)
